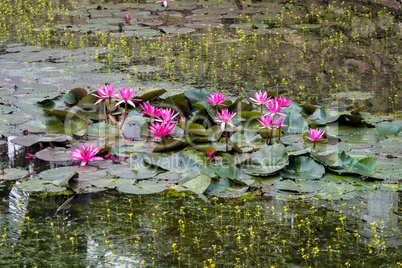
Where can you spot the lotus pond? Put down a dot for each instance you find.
(190, 177)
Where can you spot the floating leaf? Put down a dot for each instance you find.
(193, 128)
(58, 176)
(11, 174)
(35, 184)
(101, 130)
(53, 154)
(142, 187)
(389, 128)
(124, 172)
(269, 159)
(196, 95)
(197, 184)
(150, 96)
(300, 186)
(303, 167)
(33, 139)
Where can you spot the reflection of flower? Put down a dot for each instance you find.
(105, 92)
(217, 99)
(85, 154)
(126, 95)
(224, 118)
(164, 2)
(161, 129)
(260, 98)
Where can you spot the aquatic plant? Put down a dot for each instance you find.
(85, 154)
(126, 98)
(315, 134)
(260, 99)
(224, 118)
(105, 93)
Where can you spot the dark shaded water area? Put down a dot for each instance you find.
(334, 54)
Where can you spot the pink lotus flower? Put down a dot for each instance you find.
(315, 134)
(85, 154)
(150, 110)
(224, 118)
(164, 2)
(216, 99)
(278, 123)
(161, 129)
(260, 98)
(127, 17)
(126, 95)
(105, 92)
(265, 122)
(283, 102)
(274, 108)
(166, 115)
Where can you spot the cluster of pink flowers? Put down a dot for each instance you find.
(163, 124)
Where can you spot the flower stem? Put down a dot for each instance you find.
(164, 143)
(125, 114)
(110, 106)
(104, 108)
(279, 136)
(227, 146)
(270, 136)
(314, 144)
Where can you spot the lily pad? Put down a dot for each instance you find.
(299, 186)
(197, 184)
(11, 174)
(101, 130)
(142, 187)
(36, 184)
(269, 159)
(33, 139)
(390, 128)
(303, 167)
(58, 176)
(53, 154)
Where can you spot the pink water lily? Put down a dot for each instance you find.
(224, 118)
(126, 96)
(127, 17)
(283, 102)
(315, 135)
(150, 110)
(266, 122)
(278, 123)
(217, 99)
(274, 108)
(166, 115)
(85, 154)
(106, 92)
(260, 98)
(161, 129)
(164, 2)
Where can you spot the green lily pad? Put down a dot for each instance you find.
(223, 188)
(142, 187)
(197, 184)
(389, 128)
(36, 184)
(269, 159)
(124, 172)
(193, 128)
(322, 117)
(303, 167)
(334, 191)
(33, 139)
(58, 176)
(12, 119)
(101, 130)
(5, 109)
(296, 124)
(196, 95)
(150, 96)
(53, 154)
(176, 162)
(11, 174)
(299, 186)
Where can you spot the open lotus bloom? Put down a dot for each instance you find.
(150, 110)
(315, 134)
(161, 129)
(217, 99)
(224, 118)
(260, 98)
(274, 108)
(85, 154)
(126, 96)
(166, 115)
(105, 92)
